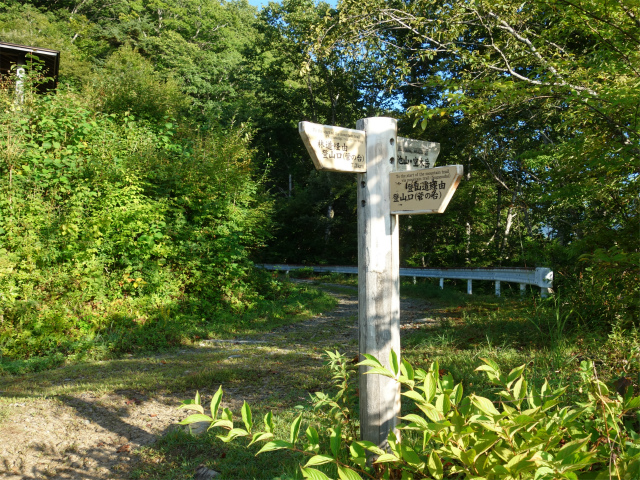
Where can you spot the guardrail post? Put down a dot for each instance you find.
(523, 289)
(544, 279)
(441, 283)
(497, 288)
(469, 286)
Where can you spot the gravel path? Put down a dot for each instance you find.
(91, 435)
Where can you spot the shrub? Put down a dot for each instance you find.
(529, 433)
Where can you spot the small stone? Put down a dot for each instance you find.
(197, 428)
(204, 473)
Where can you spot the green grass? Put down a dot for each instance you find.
(540, 333)
(510, 330)
(123, 329)
(178, 454)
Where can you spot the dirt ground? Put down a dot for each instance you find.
(88, 434)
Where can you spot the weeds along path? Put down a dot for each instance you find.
(88, 421)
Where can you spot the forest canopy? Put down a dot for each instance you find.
(167, 161)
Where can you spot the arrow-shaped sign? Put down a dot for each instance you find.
(335, 149)
(423, 191)
(414, 154)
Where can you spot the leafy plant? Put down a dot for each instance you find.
(528, 433)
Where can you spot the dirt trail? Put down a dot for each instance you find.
(89, 435)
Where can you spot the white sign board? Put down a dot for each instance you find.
(423, 191)
(415, 154)
(335, 149)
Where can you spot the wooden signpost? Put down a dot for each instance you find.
(394, 176)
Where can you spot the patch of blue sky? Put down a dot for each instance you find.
(263, 3)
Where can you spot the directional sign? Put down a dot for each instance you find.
(413, 187)
(414, 154)
(423, 191)
(335, 149)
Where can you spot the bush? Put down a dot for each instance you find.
(112, 223)
(529, 433)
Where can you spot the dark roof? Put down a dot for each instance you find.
(12, 54)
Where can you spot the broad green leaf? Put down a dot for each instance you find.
(443, 404)
(228, 424)
(544, 473)
(335, 438)
(313, 474)
(227, 414)
(215, 403)
(198, 417)
(632, 404)
(413, 395)
(246, 416)
(191, 405)
(295, 429)
(492, 364)
(356, 450)
(319, 460)
(233, 433)
(261, 437)
(447, 382)
(515, 374)
(379, 371)
(484, 404)
(435, 466)
(312, 435)
(417, 419)
(372, 447)
(268, 422)
(432, 412)
(370, 361)
(407, 370)
(386, 458)
(275, 445)
(484, 443)
(347, 474)
(410, 456)
(430, 385)
(568, 449)
(393, 361)
(456, 395)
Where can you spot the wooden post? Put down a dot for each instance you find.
(378, 280)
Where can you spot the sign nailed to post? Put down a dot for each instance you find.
(423, 191)
(335, 149)
(414, 154)
(395, 176)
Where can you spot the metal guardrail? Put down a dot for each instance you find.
(539, 277)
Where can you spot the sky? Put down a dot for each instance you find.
(261, 3)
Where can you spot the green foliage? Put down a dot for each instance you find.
(529, 433)
(535, 101)
(113, 222)
(128, 82)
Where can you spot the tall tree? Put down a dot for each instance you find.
(316, 209)
(546, 95)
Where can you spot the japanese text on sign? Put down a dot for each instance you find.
(416, 154)
(334, 148)
(423, 191)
